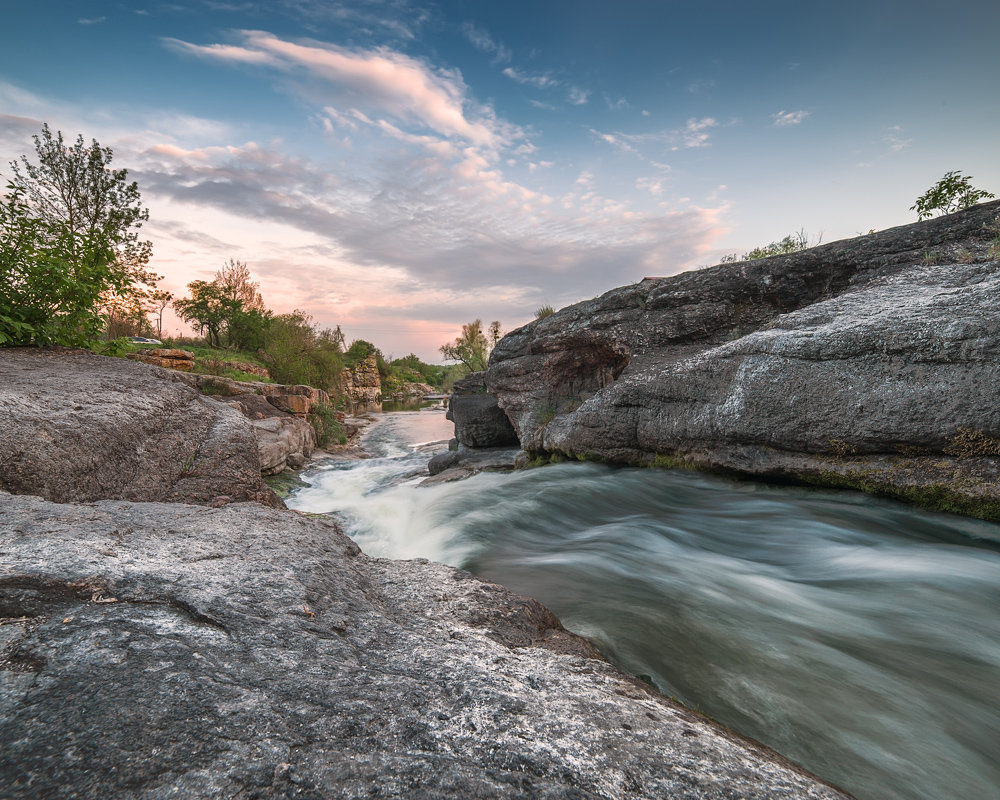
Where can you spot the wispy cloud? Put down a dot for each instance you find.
(894, 138)
(91, 20)
(785, 118)
(578, 96)
(542, 81)
(482, 41)
(699, 86)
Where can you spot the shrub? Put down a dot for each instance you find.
(952, 193)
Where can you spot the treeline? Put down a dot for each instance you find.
(230, 313)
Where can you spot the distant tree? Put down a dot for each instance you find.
(208, 309)
(473, 347)
(69, 244)
(298, 352)
(953, 192)
(158, 302)
(235, 282)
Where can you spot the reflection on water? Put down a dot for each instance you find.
(856, 636)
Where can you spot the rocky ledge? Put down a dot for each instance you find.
(158, 650)
(869, 363)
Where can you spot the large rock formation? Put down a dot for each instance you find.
(79, 427)
(363, 387)
(161, 650)
(871, 362)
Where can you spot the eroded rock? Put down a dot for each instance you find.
(164, 650)
(860, 363)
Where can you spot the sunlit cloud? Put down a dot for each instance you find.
(381, 78)
(785, 118)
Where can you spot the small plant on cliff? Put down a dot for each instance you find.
(790, 244)
(544, 311)
(326, 422)
(952, 193)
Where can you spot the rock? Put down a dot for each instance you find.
(168, 358)
(479, 421)
(163, 650)
(409, 391)
(363, 387)
(455, 465)
(858, 363)
(292, 403)
(80, 427)
(283, 441)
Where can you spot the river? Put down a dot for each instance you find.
(858, 637)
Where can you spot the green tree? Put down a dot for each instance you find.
(69, 244)
(208, 308)
(953, 192)
(473, 347)
(298, 352)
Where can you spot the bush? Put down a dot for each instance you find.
(329, 429)
(952, 193)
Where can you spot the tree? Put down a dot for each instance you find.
(298, 352)
(234, 281)
(473, 347)
(158, 302)
(69, 244)
(230, 305)
(952, 193)
(208, 308)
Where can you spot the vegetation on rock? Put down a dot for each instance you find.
(953, 192)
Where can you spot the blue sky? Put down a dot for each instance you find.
(401, 167)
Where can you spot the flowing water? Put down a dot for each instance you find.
(858, 637)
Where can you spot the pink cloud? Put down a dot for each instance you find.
(380, 78)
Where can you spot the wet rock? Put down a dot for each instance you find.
(164, 650)
(863, 363)
(81, 427)
(479, 421)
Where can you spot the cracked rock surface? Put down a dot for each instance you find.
(153, 650)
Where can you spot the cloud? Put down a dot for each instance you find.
(895, 140)
(785, 118)
(483, 42)
(699, 86)
(91, 20)
(380, 78)
(578, 96)
(695, 133)
(544, 81)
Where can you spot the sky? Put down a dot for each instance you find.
(400, 167)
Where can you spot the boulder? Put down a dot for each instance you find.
(869, 363)
(168, 358)
(80, 427)
(283, 441)
(479, 421)
(155, 650)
